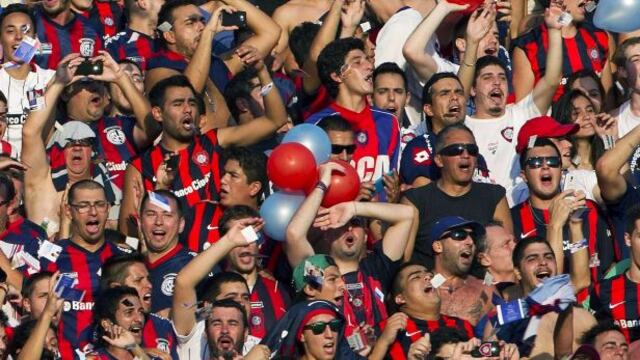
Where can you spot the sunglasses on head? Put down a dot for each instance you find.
(458, 149)
(318, 327)
(459, 234)
(338, 149)
(538, 161)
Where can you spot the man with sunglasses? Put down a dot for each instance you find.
(367, 276)
(552, 214)
(83, 253)
(454, 193)
(443, 103)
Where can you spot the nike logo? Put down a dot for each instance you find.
(209, 227)
(413, 333)
(110, 178)
(523, 235)
(613, 306)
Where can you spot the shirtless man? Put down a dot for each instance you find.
(290, 15)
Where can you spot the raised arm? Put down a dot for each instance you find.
(266, 33)
(414, 48)
(296, 245)
(264, 126)
(183, 311)
(546, 87)
(579, 271)
(146, 128)
(479, 25)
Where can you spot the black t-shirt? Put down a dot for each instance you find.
(479, 204)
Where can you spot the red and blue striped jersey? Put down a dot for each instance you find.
(618, 299)
(416, 329)
(115, 144)
(74, 329)
(158, 334)
(218, 71)
(58, 41)
(132, 45)
(377, 136)
(269, 301)
(106, 17)
(201, 228)
(587, 50)
(198, 171)
(22, 235)
(162, 273)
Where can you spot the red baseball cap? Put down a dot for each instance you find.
(543, 127)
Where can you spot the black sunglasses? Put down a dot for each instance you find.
(458, 149)
(459, 234)
(338, 149)
(538, 161)
(318, 327)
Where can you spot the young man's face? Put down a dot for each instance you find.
(332, 288)
(538, 263)
(320, 346)
(178, 114)
(542, 171)
(447, 102)
(14, 28)
(458, 168)
(390, 93)
(632, 66)
(187, 27)
(633, 241)
(490, 90)
(226, 331)
(416, 288)
(160, 228)
(612, 345)
(490, 43)
(235, 188)
(130, 315)
(458, 251)
(357, 73)
(117, 96)
(37, 300)
(139, 279)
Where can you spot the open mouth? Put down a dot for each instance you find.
(542, 274)
(546, 179)
(369, 78)
(93, 226)
(329, 347)
(496, 94)
(429, 288)
(146, 298)
(225, 343)
(350, 240)
(466, 255)
(95, 100)
(338, 300)
(492, 51)
(136, 329)
(158, 234)
(454, 110)
(464, 166)
(187, 123)
(391, 109)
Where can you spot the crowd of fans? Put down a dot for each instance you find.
(496, 142)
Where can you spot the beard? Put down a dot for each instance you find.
(225, 354)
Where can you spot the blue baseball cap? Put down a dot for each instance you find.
(447, 223)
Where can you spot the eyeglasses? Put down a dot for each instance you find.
(83, 207)
(459, 234)
(318, 327)
(458, 149)
(338, 149)
(538, 161)
(79, 142)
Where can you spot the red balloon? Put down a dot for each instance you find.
(292, 167)
(474, 4)
(343, 187)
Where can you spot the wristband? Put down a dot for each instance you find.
(608, 141)
(322, 186)
(266, 89)
(580, 245)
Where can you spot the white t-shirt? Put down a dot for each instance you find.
(195, 346)
(626, 120)
(18, 104)
(497, 139)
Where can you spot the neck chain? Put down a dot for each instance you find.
(536, 219)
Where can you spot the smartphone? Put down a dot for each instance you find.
(89, 68)
(489, 348)
(379, 184)
(238, 18)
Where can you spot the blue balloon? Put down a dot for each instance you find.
(618, 15)
(277, 212)
(313, 138)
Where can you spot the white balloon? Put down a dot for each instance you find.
(618, 15)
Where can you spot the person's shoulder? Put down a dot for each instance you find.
(316, 117)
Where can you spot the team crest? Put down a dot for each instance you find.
(108, 21)
(361, 137)
(86, 47)
(507, 133)
(200, 157)
(594, 53)
(407, 137)
(167, 284)
(256, 320)
(115, 135)
(163, 345)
